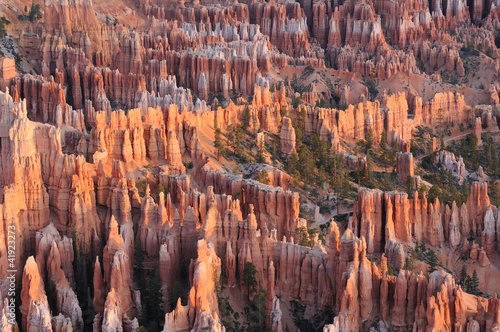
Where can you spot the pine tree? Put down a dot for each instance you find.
(392, 153)
(369, 139)
(249, 281)
(300, 127)
(81, 277)
(493, 164)
(237, 139)
(455, 194)
(153, 301)
(322, 153)
(321, 175)
(358, 174)
(417, 247)
(175, 294)
(387, 183)
(463, 277)
(138, 258)
(308, 168)
(246, 118)
(302, 236)
(409, 187)
(464, 193)
(292, 163)
(260, 152)
(433, 193)
(219, 143)
(335, 166)
(315, 145)
(263, 177)
(433, 261)
(440, 117)
(51, 295)
(475, 283)
(493, 192)
(421, 190)
(390, 270)
(346, 184)
(35, 12)
(409, 263)
(487, 147)
(259, 317)
(468, 284)
(383, 141)
(423, 248)
(369, 168)
(343, 188)
(473, 140)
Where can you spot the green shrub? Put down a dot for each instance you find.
(35, 13)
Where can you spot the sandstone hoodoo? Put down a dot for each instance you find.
(249, 166)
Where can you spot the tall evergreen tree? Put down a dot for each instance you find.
(81, 277)
(474, 156)
(246, 118)
(300, 127)
(249, 280)
(138, 258)
(383, 141)
(468, 284)
(493, 163)
(175, 294)
(463, 276)
(475, 283)
(292, 163)
(493, 192)
(409, 187)
(370, 139)
(234, 138)
(219, 144)
(153, 301)
(391, 156)
(369, 168)
(260, 152)
(258, 321)
(433, 261)
(35, 12)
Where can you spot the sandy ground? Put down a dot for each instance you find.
(401, 82)
(488, 277)
(11, 9)
(427, 88)
(123, 10)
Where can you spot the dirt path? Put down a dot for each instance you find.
(465, 134)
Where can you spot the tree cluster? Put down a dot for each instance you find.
(3, 22)
(317, 163)
(305, 236)
(231, 324)
(426, 255)
(255, 313)
(263, 177)
(83, 273)
(470, 284)
(445, 185)
(315, 322)
(149, 285)
(35, 13)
